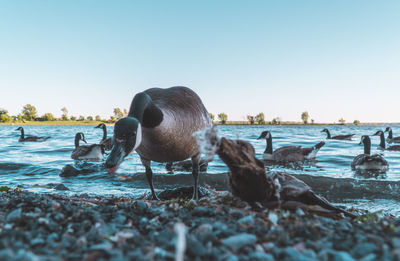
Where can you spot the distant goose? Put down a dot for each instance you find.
(338, 137)
(382, 145)
(390, 138)
(30, 138)
(92, 152)
(367, 161)
(288, 153)
(160, 127)
(106, 142)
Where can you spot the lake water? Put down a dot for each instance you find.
(37, 165)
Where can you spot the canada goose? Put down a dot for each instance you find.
(106, 142)
(367, 161)
(160, 127)
(288, 153)
(92, 152)
(390, 138)
(22, 138)
(338, 137)
(382, 145)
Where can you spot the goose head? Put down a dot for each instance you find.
(264, 135)
(19, 128)
(388, 129)
(325, 130)
(80, 136)
(378, 133)
(101, 125)
(127, 137)
(364, 140)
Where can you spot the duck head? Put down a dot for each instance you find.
(127, 137)
(264, 135)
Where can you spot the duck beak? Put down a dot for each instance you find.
(117, 155)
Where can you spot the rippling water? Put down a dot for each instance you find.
(37, 165)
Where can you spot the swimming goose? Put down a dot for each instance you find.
(390, 138)
(382, 145)
(30, 138)
(367, 161)
(92, 152)
(288, 153)
(160, 127)
(338, 137)
(106, 142)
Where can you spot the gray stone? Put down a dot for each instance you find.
(369, 257)
(248, 220)
(203, 211)
(141, 206)
(363, 249)
(61, 187)
(236, 242)
(14, 216)
(258, 256)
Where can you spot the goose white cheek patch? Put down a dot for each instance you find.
(138, 137)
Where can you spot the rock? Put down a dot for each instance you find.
(396, 242)
(141, 206)
(329, 254)
(61, 187)
(69, 171)
(203, 211)
(369, 257)
(363, 249)
(247, 221)
(238, 241)
(14, 216)
(257, 256)
(237, 213)
(37, 241)
(195, 248)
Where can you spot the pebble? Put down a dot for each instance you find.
(14, 216)
(247, 221)
(61, 187)
(238, 241)
(257, 256)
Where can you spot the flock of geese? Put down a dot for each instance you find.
(364, 161)
(160, 126)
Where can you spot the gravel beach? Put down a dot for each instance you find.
(219, 227)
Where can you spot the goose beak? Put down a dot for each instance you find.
(116, 157)
(259, 138)
(84, 141)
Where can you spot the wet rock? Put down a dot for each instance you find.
(363, 249)
(37, 241)
(237, 213)
(195, 247)
(69, 171)
(182, 192)
(141, 206)
(247, 221)
(329, 254)
(238, 241)
(61, 187)
(203, 211)
(14, 216)
(257, 256)
(370, 257)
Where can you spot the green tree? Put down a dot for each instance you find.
(212, 117)
(3, 111)
(29, 112)
(73, 118)
(118, 113)
(356, 122)
(4, 117)
(64, 115)
(342, 121)
(98, 118)
(250, 119)
(312, 121)
(222, 117)
(304, 117)
(260, 118)
(112, 118)
(48, 117)
(81, 118)
(89, 118)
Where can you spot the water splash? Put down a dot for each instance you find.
(208, 141)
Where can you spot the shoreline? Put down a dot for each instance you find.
(220, 227)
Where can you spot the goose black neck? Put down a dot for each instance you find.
(77, 138)
(268, 149)
(22, 133)
(382, 144)
(328, 134)
(104, 132)
(367, 146)
(390, 134)
(143, 109)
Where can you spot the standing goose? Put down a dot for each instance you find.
(92, 152)
(22, 138)
(338, 137)
(382, 145)
(390, 138)
(106, 142)
(160, 127)
(367, 161)
(288, 153)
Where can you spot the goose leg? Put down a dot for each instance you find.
(149, 176)
(195, 173)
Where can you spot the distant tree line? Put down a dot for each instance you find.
(29, 113)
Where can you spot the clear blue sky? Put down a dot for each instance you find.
(332, 58)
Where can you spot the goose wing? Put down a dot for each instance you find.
(394, 148)
(107, 144)
(34, 138)
(84, 150)
(396, 139)
(289, 153)
(343, 137)
(358, 160)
